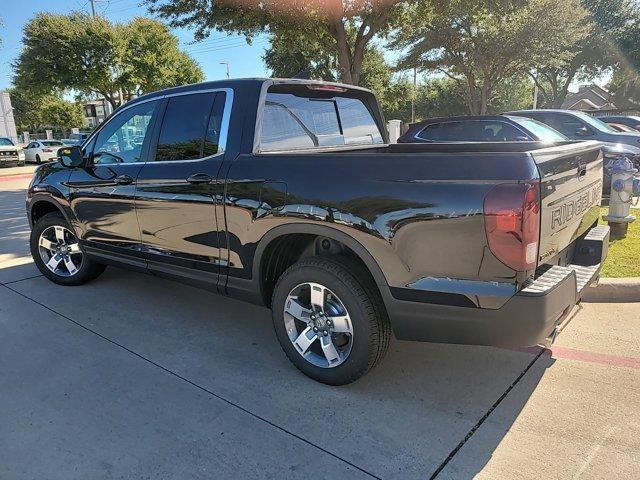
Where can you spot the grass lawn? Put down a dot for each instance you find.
(624, 255)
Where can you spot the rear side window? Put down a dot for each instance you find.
(293, 122)
(191, 127)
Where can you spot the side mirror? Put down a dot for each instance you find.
(71, 157)
(583, 132)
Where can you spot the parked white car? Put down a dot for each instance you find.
(40, 151)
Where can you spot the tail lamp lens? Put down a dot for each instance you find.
(512, 224)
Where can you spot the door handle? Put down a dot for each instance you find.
(198, 178)
(123, 179)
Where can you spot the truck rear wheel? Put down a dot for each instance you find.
(329, 321)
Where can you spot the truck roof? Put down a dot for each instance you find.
(257, 82)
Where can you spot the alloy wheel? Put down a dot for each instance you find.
(318, 325)
(60, 251)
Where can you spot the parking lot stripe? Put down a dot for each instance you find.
(565, 353)
(190, 382)
(11, 178)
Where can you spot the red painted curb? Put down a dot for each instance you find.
(11, 178)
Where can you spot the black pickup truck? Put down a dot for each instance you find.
(286, 193)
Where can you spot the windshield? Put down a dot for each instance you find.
(594, 122)
(543, 132)
(5, 142)
(53, 144)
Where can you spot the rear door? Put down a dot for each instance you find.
(178, 188)
(571, 190)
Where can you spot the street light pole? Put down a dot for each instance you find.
(413, 95)
(227, 64)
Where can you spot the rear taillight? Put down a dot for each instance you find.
(47, 150)
(512, 223)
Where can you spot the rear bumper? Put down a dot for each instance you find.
(529, 318)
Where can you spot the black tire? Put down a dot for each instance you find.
(88, 269)
(371, 327)
(38, 161)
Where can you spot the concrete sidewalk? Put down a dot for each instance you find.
(133, 376)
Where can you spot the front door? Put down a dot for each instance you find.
(178, 189)
(102, 193)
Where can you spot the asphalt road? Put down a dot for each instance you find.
(135, 377)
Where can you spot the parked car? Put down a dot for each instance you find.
(632, 121)
(486, 128)
(619, 127)
(79, 137)
(581, 126)
(10, 154)
(40, 151)
(285, 193)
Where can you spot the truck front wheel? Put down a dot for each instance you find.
(57, 252)
(329, 320)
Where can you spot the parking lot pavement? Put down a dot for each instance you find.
(15, 260)
(133, 375)
(581, 419)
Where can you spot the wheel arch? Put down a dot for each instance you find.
(40, 205)
(314, 230)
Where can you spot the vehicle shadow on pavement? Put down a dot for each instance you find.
(15, 259)
(402, 420)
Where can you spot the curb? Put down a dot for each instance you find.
(614, 290)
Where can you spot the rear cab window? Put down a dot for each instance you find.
(308, 116)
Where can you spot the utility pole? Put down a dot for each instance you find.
(227, 64)
(93, 8)
(535, 92)
(413, 95)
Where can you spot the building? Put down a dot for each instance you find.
(589, 97)
(7, 122)
(95, 112)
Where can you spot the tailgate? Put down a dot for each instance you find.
(570, 191)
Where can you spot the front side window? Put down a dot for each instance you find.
(121, 140)
(305, 121)
(191, 127)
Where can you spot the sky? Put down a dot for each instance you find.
(244, 60)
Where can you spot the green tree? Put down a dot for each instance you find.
(35, 112)
(479, 43)
(319, 22)
(94, 57)
(61, 114)
(587, 53)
